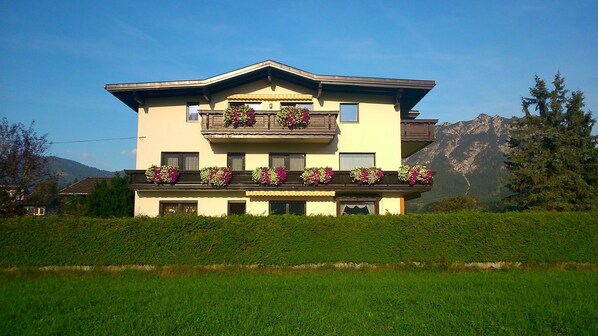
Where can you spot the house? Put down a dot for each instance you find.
(73, 197)
(350, 122)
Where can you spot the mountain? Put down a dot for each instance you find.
(468, 158)
(68, 170)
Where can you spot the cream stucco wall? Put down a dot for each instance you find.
(162, 127)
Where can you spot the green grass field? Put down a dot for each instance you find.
(308, 302)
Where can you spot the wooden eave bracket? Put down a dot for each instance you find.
(269, 75)
(319, 90)
(206, 95)
(398, 97)
(139, 99)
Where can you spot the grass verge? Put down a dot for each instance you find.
(322, 302)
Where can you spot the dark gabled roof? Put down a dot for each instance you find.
(84, 187)
(409, 91)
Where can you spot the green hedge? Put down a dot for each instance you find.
(288, 240)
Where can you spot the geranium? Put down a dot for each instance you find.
(293, 117)
(316, 176)
(364, 175)
(216, 176)
(162, 174)
(417, 173)
(239, 116)
(269, 176)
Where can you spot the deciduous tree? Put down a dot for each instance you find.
(22, 163)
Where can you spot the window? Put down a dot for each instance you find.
(357, 206)
(192, 111)
(178, 208)
(287, 207)
(349, 161)
(236, 161)
(309, 106)
(349, 113)
(295, 162)
(236, 207)
(181, 160)
(254, 105)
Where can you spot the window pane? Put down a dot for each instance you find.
(236, 208)
(297, 208)
(277, 161)
(192, 113)
(309, 106)
(297, 162)
(191, 161)
(236, 161)
(171, 159)
(189, 208)
(349, 161)
(348, 112)
(278, 208)
(255, 105)
(169, 209)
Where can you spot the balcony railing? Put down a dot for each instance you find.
(417, 134)
(321, 129)
(241, 180)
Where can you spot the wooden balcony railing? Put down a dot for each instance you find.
(416, 134)
(189, 180)
(321, 129)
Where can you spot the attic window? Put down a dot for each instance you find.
(254, 105)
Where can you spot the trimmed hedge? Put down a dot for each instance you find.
(289, 240)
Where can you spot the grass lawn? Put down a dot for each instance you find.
(322, 302)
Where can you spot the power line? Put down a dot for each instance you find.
(94, 140)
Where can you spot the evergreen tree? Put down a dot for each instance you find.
(553, 160)
(115, 200)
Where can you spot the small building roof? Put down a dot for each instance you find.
(83, 187)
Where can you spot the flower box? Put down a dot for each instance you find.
(239, 116)
(162, 174)
(216, 176)
(293, 117)
(416, 174)
(269, 176)
(364, 175)
(315, 176)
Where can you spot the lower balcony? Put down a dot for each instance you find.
(321, 129)
(242, 181)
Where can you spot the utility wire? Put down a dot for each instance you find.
(94, 140)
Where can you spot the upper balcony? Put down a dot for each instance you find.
(416, 134)
(321, 129)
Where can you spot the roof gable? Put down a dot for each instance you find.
(407, 92)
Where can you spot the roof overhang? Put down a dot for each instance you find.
(407, 92)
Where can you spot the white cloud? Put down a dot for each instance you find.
(131, 152)
(85, 155)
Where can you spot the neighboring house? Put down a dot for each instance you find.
(73, 197)
(353, 122)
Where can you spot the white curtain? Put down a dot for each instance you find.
(191, 162)
(355, 208)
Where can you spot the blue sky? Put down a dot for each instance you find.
(55, 56)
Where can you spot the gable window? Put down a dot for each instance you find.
(287, 207)
(294, 162)
(349, 113)
(309, 106)
(236, 207)
(168, 208)
(254, 105)
(181, 160)
(349, 161)
(192, 112)
(357, 206)
(236, 161)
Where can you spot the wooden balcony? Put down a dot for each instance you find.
(241, 181)
(417, 134)
(321, 129)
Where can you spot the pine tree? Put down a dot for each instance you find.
(553, 159)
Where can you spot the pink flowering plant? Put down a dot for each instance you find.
(416, 174)
(316, 176)
(293, 117)
(162, 174)
(269, 176)
(216, 176)
(362, 175)
(239, 116)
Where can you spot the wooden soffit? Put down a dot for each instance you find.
(266, 97)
